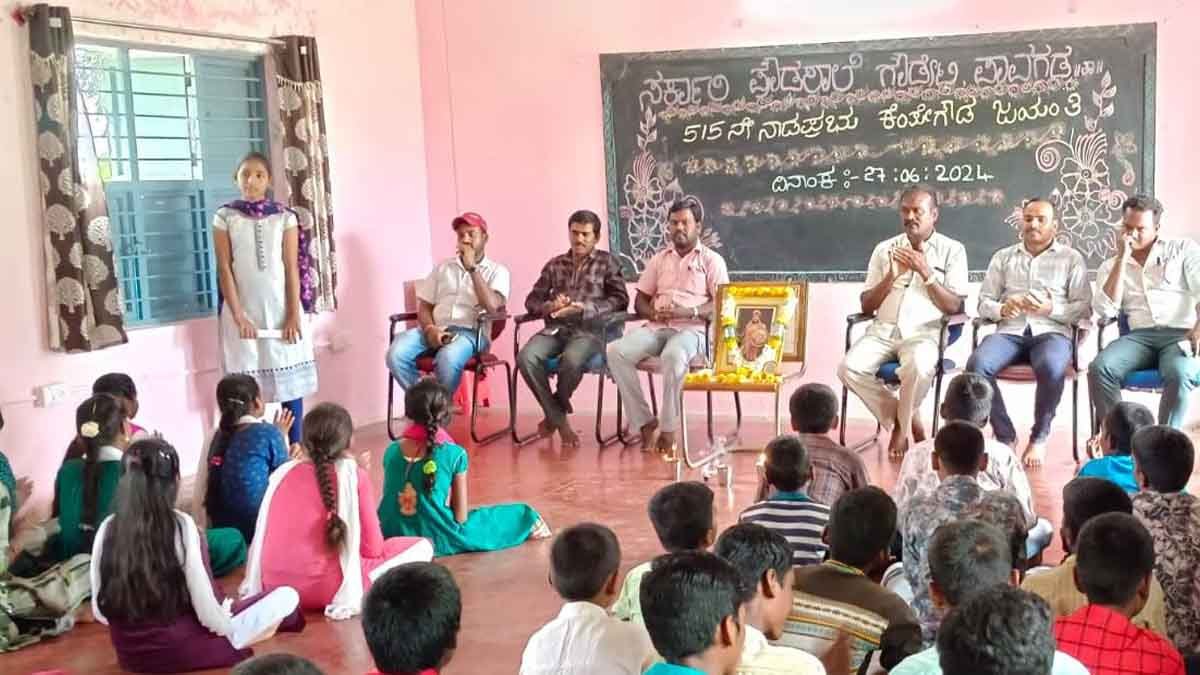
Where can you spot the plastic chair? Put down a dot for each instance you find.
(652, 365)
(951, 329)
(479, 364)
(1147, 380)
(614, 325)
(1023, 372)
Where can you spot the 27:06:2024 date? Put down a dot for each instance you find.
(831, 177)
(942, 173)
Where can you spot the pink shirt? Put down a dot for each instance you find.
(688, 281)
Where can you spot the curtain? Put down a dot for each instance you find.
(306, 167)
(83, 294)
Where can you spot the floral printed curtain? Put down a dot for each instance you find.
(306, 163)
(83, 296)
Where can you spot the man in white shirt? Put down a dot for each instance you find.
(583, 638)
(1037, 290)
(913, 279)
(448, 302)
(1155, 282)
(763, 558)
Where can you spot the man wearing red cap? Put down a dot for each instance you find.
(449, 299)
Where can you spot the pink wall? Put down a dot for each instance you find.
(372, 80)
(523, 142)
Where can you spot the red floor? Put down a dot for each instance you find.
(506, 596)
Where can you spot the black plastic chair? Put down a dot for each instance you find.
(479, 364)
(1023, 372)
(888, 373)
(614, 325)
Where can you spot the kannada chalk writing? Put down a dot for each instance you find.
(946, 113)
(681, 91)
(770, 78)
(1007, 113)
(800, 204)
(846, 178)
(1032, 64)
(906, 70)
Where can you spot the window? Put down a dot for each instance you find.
(168, 129)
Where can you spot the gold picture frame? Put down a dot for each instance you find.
(760, 325)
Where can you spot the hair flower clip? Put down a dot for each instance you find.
(89, 430)
(430, 468)
(216, 461)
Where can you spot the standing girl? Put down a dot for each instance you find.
(240, 457)
(425, 486)
(317, 529)
(259, 259)
(151, 583)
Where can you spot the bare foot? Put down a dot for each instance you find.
(666, 445)
(1034, 455)
(898, 445)
(918, 430)
(569, 438)
(649, 429)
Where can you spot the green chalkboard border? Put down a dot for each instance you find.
(611, 63)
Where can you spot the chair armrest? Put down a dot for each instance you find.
(492, 316)
(853, 320)
(959, 319)
(1102, 324)
(403, 316)
(526, 318)
(978, 323)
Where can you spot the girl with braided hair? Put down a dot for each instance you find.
(317, 530)
(85, 485)
(425, 486)
(152, 585)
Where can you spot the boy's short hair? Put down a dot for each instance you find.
(682, 515)
(1113, 555)
(1086, 497)
(787, 467)
(1165, 457)
(582, 558)
(862, 523)
(279, 663)
(968, 399)
(967, 556)
(115, 384)
(752, 550)
(813, 408)
(959, 447)
(685, 597)
(411, 616)
(1123, 421)
(1017, 626)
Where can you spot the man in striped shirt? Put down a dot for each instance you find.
(787, 508)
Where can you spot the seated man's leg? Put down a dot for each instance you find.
(997, 352)
(580, 349)
(1122, 356)
(623, 357)
(450, 359)
(1049, 356)
(676, 357)
(402, 356)
(531, 364)
(918, 363)
(857, 371)
(1181, 374)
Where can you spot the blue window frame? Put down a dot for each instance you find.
(168, 129)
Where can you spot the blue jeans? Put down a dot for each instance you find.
(1049, 354)
(448, 360)
(1142, 349)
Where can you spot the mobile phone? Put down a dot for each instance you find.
(1186, 346)
(447, 338)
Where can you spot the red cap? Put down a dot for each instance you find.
(469, 218)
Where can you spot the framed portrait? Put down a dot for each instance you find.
(760, 325)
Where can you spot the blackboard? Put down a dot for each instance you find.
(799, 153)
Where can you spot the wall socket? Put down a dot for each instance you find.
(50, 394)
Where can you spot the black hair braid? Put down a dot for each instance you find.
(327, 430)
(235, 396)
